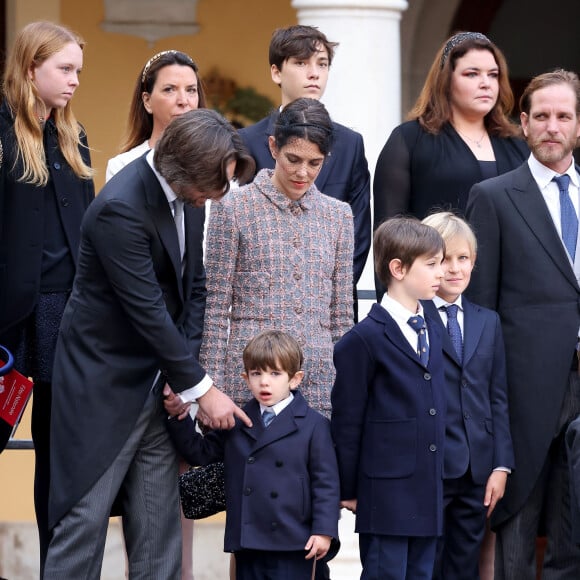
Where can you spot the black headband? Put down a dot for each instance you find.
(458, 39)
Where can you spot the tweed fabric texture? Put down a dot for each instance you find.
(273, 263)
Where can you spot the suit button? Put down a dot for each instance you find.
(56, 165)
(427, 376)
(279, 463)
(432, 447)
(432, 412)
(64, 201)
(273, 526)
(464, 384)
(251, 459)
(274, 494)
(248, 491)
(466, 415)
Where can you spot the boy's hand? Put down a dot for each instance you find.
(494, 490)
(349, 504)
(174, 404)
(317, 547)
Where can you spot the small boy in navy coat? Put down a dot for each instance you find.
(388, 410)
(281, 476)
(478, 446)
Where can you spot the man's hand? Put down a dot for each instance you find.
(218, 411)
(349, 504)
(317, 547)
(494, 490)
(174, 404)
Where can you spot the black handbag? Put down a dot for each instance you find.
(202, 491)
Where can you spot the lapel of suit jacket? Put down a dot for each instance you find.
(162, 217)
(434, 315)
(530, 204)
(393, 333)
(472, 329)
(328, 165)
(283, 424)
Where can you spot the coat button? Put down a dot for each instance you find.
(427, 376)
(251, 459)
(432, 447)
(466, 415)
(464, 384)
(279, 463)
(56, 165)
(274, 494)
(248, 491)
(432, 412)
(273, 526)
(64, 201)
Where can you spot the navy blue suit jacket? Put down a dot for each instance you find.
(388, 424)
(281, 482)
(477, 429)
(344, 176)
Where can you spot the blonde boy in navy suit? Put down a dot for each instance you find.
(282, 492)
(388, 410)
(478, 447)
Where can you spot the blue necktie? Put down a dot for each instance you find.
(568, 217)
(418, 325)
(268, 416)
(453, 329)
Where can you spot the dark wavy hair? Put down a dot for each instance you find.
(305, 119)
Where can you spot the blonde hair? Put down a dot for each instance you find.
(35, 43)
(451, 226)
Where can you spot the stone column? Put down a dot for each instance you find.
(364, 87)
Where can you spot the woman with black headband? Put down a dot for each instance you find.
(458, 133)
(169, 85)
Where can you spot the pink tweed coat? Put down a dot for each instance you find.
(273, 263)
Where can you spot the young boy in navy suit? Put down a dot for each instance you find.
(281, 476)
(388, 407)
(478, 446)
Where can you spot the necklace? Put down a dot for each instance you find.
(476, 141)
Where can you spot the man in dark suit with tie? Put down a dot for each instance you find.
(300, 58)
(134, 323)
(528, 270)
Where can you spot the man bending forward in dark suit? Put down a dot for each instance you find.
(300, 58)
(528, 267)
(134, 323)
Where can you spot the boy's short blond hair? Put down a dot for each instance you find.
(273, 349)
(450, 226)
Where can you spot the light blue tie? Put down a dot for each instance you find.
(268, 416)
(417, 323)
(568, 217)
(454, 329)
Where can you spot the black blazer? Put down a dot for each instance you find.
(281, 482)
(344, 176)
(477, 430)
(523, 272)
(22, 219)
(129, 315)
(388, 424)
(418, 172)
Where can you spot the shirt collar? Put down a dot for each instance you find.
(543, 175)
(398, 311)
(279, 406)
(169, 193)
(439, 302)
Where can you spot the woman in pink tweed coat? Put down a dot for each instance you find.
(279, 256)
